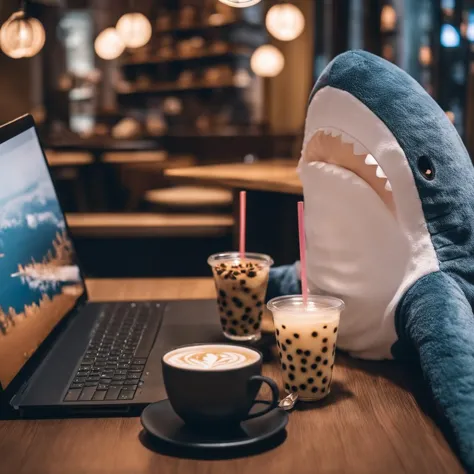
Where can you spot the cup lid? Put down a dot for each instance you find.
(235, 256)
(295, 303)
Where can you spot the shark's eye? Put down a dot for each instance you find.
(426, 168)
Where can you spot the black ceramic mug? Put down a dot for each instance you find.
(215, 385)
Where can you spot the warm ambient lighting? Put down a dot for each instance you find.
(425, 56)
(134, 29)
(240, 3)
(267, 61)
(285, 21)
(388, 18)
(21, 36)
(108, 44)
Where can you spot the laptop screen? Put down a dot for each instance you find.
(40, 281)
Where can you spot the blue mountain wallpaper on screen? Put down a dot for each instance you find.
(39, 279)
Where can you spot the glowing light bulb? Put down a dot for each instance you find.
(424, 55)
(388, 18)
(267, 61)
(22, 37)
(240, 3)
(449, 36)
(134, 29)
(285, 21)
(108, 45)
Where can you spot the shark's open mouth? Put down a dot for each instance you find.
(332, 147)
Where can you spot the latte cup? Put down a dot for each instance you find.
(213, 386)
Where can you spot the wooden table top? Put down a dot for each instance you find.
(272, 175)
(370, 423)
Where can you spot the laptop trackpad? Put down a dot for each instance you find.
(189, 322)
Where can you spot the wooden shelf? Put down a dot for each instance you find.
(167, 89)
(149, 225)
(173, 59)
(207, 26)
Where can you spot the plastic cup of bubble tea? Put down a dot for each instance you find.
(241, 284)
(306, 337)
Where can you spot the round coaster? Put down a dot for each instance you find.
(160, 420)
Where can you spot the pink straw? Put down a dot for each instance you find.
(302, 236)
(243, 217)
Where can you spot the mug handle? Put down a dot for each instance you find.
(275, 396)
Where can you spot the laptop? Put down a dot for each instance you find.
(60, 354)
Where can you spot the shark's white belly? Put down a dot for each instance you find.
(356, 251)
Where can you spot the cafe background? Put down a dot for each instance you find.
(122, 101)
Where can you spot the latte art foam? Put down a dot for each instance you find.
(211, 358)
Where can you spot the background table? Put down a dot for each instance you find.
(370, 423)
(273, 189)
(270, 175)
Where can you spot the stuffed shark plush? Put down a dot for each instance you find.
(389, 214)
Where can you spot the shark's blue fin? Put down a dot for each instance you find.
(436, 320)
(284, 280)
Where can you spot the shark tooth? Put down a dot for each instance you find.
(370, 160)
(379, 173)
(388, 186)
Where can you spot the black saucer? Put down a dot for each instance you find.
(160, 421)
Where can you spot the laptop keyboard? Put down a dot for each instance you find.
(113, 364)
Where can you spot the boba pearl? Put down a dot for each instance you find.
(299, 351)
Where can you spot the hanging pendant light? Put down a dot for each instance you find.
(108, 45)
(240, 3)
(388, 18)
(134, 30)
(22, 36)
(267, 61)
(285, 21)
